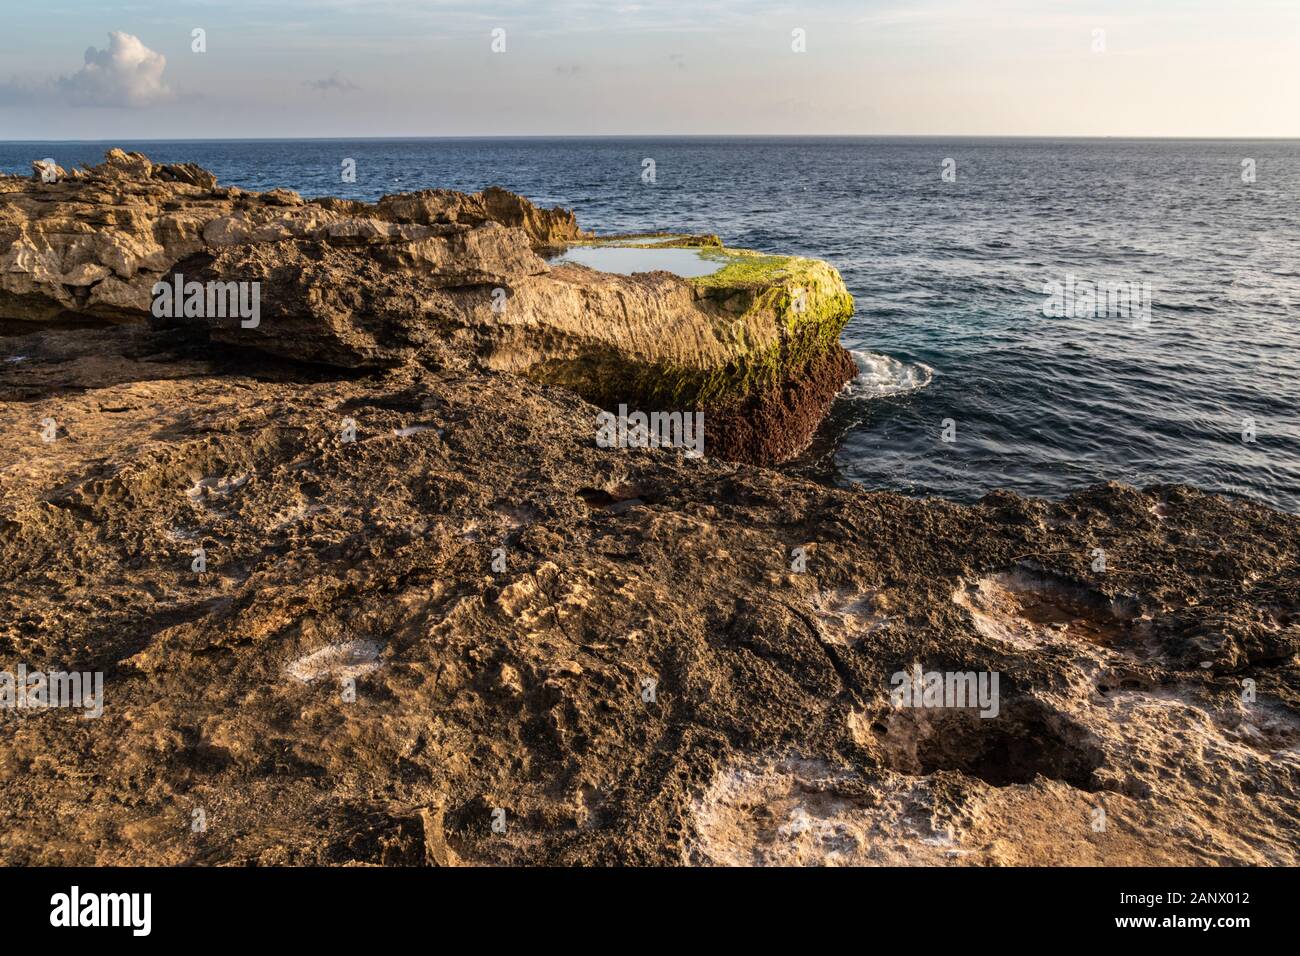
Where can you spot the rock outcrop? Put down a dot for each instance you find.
(637, 656)
(411, 613)
(360, 285)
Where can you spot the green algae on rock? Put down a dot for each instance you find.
(767, 362)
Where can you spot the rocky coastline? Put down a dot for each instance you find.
(363, 588)
(427, 278)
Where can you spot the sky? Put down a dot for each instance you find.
(111, 69)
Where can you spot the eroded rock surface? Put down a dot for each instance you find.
(472, 608)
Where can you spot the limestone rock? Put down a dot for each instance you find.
(771, 736)
(360, 285)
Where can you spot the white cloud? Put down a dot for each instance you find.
(332, 84)
(127, 73)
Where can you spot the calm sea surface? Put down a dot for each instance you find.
(949, 277)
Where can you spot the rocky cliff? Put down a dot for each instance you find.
(403, 609)
(417, 276)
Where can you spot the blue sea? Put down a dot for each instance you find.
(1195, 379)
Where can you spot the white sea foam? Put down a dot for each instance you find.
(879, 376)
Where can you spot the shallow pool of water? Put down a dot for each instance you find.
(625, 260)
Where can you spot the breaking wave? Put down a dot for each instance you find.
(880, 376)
